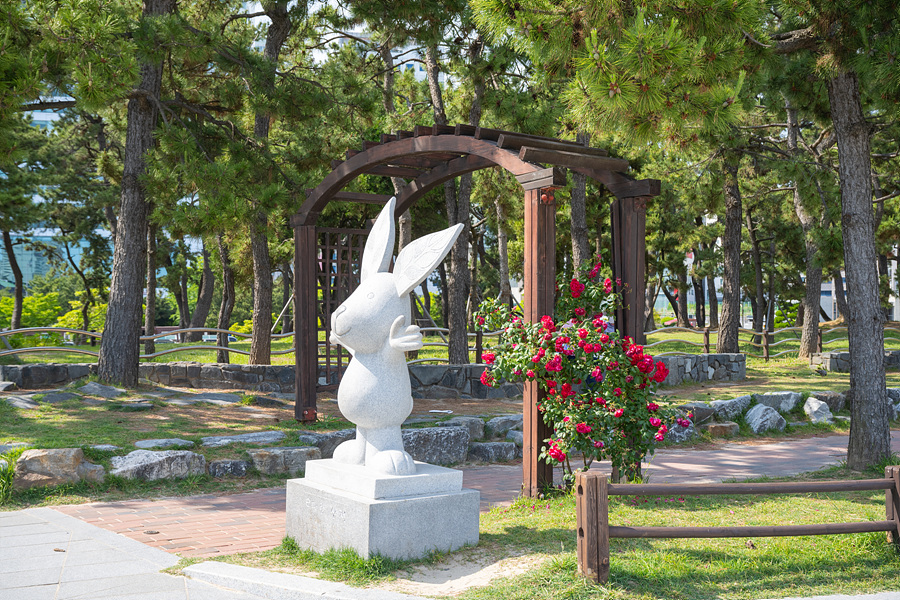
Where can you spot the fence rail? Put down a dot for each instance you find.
(592, 491)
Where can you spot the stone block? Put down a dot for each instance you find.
(7, 386)
(428, 374)
(783, 402)
(475, 426)
(492, 452)
(228, 468)
(516, 437)
(702, 411)
(835, 400)
(327, 442)
(437, 445)
(722, 430)
(150, 465)
(498, 426)
(291, 460)
(438, 392)
(256, 437)
(36, 468)
(23, 402)
(320, 517)
(762, 418)
(162, 443)
(817, 411)
(729, 409)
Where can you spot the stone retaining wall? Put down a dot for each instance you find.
(839, 362)
(427, 381)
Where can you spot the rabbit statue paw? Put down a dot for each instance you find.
(375, 391)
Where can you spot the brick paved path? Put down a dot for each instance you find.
(205, 526)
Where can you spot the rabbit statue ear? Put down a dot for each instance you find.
(380, 243)
(420, 257)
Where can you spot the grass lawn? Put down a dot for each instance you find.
(540, 534)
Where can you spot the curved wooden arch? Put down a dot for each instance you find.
(382, 154)
(428, 157)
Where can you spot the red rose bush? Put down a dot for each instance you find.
(600, 388)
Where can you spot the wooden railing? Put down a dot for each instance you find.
(592, 491)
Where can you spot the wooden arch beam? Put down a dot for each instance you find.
(385, 153)
(417, 188)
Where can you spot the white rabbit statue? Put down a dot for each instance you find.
(374, 325)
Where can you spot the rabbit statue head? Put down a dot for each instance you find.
(374, 324)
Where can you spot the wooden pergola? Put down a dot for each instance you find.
(427, 157)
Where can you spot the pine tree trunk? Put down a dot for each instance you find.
(287, 290)
(759, 303)
(699, 301)
(261, 342)
(840, 297)
(581, 248)
(713, 302)
(204, 299)
(505, 295)
(119, 349)
(649, 301)
(727, 340)
(150, 307)
(683, 319)
(870, 440)
(18, 293)
(227, 304)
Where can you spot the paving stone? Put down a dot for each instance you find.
(216, 398)
(55, 397)
(492, 452)
(475, 425)
(228, 468)
(95, 402)
(36, 468)
(817, 411)
(92, 388)
(291, 460)
(150, 465)
(257, 437)
(105, 447)
(762, 418)
(23, 402)
(722, 430)
(702, 411)
(162, 443)
(266, 402)
(729, 409)
(178, 401)
(498, 426)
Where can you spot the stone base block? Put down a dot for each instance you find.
(428, 480)
(321, 517)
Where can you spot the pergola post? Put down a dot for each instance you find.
(306, 335)
(540, 291)
(629, 219)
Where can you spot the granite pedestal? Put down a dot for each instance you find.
(398, 516)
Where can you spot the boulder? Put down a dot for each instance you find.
(257, 437)
(894, 395)
(894, 411)
(817, 411)
(55, 397)
(290, 460)
(678, 434)
(498, 426)
(730, 409)
(783, 402)
(150, 465)
(7, 386)
(162, 443)
(762, 418)
(92, 388)
(4, 448)
(702, 411)
(492, 452)
(23, 402)
(437, 445)
(326, 442)
(228, 468)
(722, 430)
(834, 400)
(475, 426)
(57, 466)
(516, 437)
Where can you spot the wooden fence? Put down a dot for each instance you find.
(766, 344)
(592, 491)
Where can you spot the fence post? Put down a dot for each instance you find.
(479, 346)
(706, 340)
(892, 504)
(592, 525)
